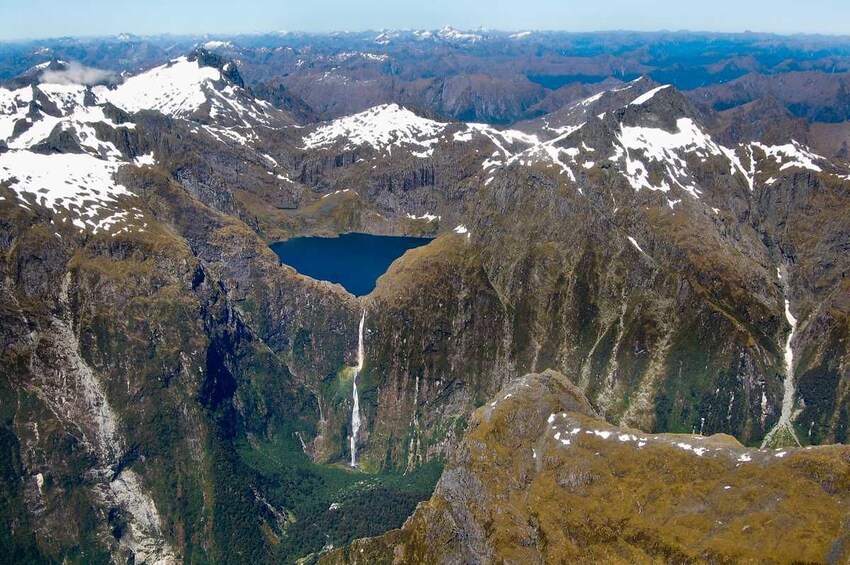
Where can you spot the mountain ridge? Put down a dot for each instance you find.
(540, 478)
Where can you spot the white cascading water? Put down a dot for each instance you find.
(355, 410)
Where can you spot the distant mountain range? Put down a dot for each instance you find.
(494, 77)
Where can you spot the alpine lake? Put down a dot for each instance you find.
(353, 260)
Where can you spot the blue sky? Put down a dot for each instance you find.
(42, 18)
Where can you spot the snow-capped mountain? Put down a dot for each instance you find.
(382, 128)
(188, 87)
(60, 138)
(645, 132)
(648, 133)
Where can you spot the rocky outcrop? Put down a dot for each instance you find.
(539, 478)
(59, 141)
(228, 68)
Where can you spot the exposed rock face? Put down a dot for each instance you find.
(477, 97)
(134, 415)
(539, 478)
(228, 69)
(607, 279)
(59, 141)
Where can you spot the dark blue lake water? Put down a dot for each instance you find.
(354, 260)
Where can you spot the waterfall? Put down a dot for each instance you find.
(355, 410)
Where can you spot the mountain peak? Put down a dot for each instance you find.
(448, 33)
(661, 107)
(382, 127)
(228, 68)
(51, 65)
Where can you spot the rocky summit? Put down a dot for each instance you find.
(624, 341)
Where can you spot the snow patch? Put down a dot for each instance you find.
(644, 98)
(334, 193)
(636, 246)
(77, 183)
(791, 155)
(448, 33)
(145, 160)
(427, 217)
(666, 148)
(592, 99)
(699, 451)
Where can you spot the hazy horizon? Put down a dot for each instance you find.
(259, 33)
(100, 18)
